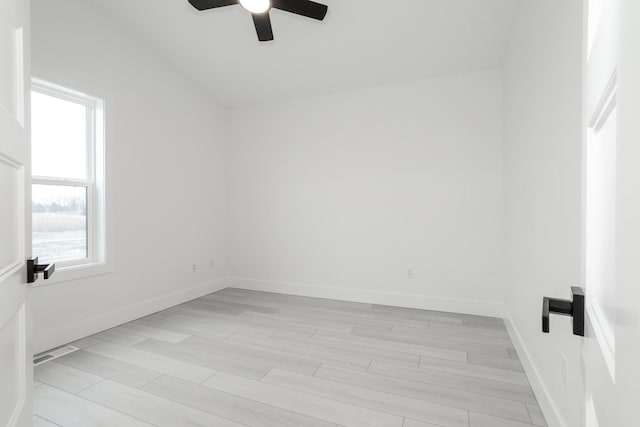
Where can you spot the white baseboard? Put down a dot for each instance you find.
(424, 302)
(104, 321)
(548, 406)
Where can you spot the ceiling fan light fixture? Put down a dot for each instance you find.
(256, 6)
(259, 10)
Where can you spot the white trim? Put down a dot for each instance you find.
(10, 268)
(60, 182)
(605, 337)
(424, 302)
(100, 249)
(76, 270)
(606, 104)
(92, 325)
(548, 406)
(105, 167)
(19, 75)
(18, 410)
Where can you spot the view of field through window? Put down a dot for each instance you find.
(59, 222)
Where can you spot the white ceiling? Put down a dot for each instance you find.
(360, 43)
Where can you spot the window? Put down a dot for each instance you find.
(68, 176)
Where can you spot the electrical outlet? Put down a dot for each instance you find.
(565, 371)
(212, 264)
(411, 274)
(194, 268)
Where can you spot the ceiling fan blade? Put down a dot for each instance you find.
(263, 26)
(211, 4)
(307, 8)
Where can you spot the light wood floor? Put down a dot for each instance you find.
(244, 358)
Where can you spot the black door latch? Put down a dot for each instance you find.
(573, 308)
(33, 268)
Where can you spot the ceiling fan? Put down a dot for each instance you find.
(259, 9)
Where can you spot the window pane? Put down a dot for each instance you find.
(59, 222)
(59, 137)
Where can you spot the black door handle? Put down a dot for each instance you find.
(573, 308)
(33, 268)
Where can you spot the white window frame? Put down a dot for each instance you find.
(96, 261)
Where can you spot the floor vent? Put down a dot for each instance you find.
(41, 358)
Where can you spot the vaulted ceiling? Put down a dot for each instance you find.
(361, 43)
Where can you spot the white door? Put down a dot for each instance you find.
(611, 349)
(15, 359)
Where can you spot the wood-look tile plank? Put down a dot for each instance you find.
(429, 393)
(486, 340)
(109, 368)
(476, 371)
(465, 331)
(324, 355)
(409, 314)
(275, 322)
(252, 369)
(458, 382)
(417, 312)
(244, 411)
(495, 362)
(64, 377)
(41, 422)
(314, 406)
(181, 327)
(445, 416)
(69, 410)
(482, 322)
(331, 319)
(201, 306)
(482, 420)
(201, 311)
(256, 308)
(165, 365)
(355, 320)
(357, 349)
(150, 408)
(393, 317)
(151, 332)
(220, 324)
(300, 319)
(378, 320)
(254, 354)
(478, 323)
(119, 337)
(414, 423)
(404, 347)
(439, 342)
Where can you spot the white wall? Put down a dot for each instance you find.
(339, 195)
(169, 192)
(542, 88)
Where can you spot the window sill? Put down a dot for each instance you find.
(74, 272)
